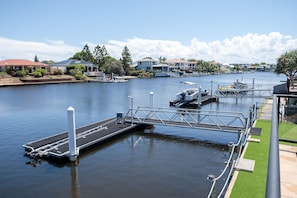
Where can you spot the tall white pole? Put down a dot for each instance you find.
(152, 103)
(71, 134)
(152, 99)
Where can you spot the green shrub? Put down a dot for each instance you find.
(37, 74)
(20, 73)
(80, 67)
(80, 77)
(3, 74)
(58, 72)
(42, 71)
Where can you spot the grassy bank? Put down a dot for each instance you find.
(253, 184)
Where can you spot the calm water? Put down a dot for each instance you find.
(172, 162)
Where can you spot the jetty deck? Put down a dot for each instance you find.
(57, 146)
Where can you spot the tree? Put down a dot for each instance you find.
(78, 56)
(126, 58)
(48, 61)
(87, 55)
(100, 55)
(287, 64)
(162, 59)
(200, 65)
(36, 59)
(116, 67)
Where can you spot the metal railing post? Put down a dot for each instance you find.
(273, 175)
(251, 118)
(131, 108)
(211, 178)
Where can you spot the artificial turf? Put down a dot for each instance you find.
(253, 184)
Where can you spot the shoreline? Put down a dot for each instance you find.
(16, 81)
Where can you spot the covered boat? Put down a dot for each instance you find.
(236, 88)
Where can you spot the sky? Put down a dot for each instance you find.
(226, 31)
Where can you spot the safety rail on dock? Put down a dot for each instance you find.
(253, 91)
(191, 118)
(235, 150)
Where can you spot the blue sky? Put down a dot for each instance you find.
(221, 30)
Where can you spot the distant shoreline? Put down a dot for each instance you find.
(16, 81)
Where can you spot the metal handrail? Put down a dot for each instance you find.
(188, 116)
(273, 175)
(215, 179)
(241, 142)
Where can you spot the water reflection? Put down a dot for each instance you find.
(74, 180)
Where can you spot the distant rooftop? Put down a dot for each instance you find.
(72, 62)
(21, 62)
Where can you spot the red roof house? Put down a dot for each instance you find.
(20, 64)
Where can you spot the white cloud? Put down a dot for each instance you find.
(249, 48)
(50, 50)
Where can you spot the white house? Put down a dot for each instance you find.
(151, 65)
(62, 65)
(146, 64)
(178, 64)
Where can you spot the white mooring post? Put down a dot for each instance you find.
(152, 103)
(151, 99)
(71, 134)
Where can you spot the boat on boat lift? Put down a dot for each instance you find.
(189, 94)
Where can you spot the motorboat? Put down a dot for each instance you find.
(189, 94)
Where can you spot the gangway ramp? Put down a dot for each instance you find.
(191, 118)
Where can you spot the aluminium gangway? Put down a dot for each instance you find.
(57, 146)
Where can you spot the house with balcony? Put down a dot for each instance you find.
(150, 65)
(146, 64)
(177, 64)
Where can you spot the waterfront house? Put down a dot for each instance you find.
(62, 65)
(178, 64)
(192, 64)
(150, 65)
(146, 64)
(21, 64)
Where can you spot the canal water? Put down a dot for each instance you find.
(170, 162)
